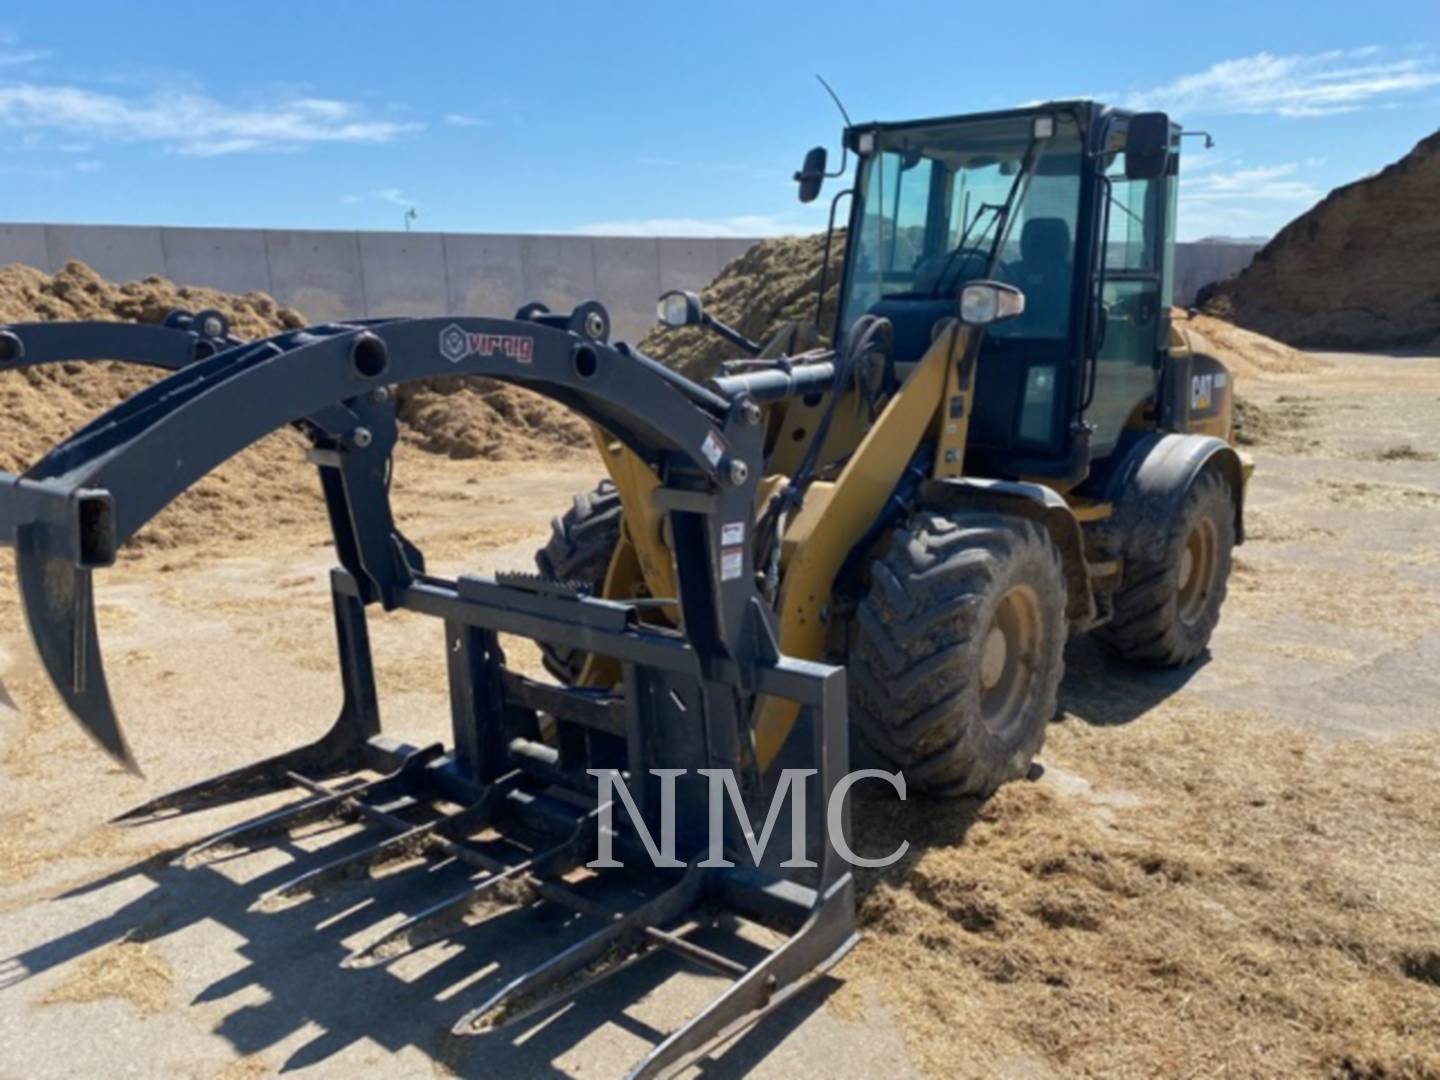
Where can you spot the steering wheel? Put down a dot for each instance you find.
(956, 264)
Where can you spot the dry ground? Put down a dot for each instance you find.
(1230, 869)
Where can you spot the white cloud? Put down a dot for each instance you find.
(743, 225)
(1302, 85)
(456, 119)
(1269, 183)
(19, 57)
(394, 195)
(190, 123)
(1245, 200)
(89, 166)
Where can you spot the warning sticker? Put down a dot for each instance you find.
(732, 532)
(732, 563)
(713, 448)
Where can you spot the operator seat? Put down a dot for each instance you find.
(1045, 274)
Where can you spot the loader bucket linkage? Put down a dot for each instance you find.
(685, 699)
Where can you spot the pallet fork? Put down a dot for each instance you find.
(683, 702)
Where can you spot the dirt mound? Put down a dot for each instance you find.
(268, 485)
(1232, 898)
(1245, 352)
(78, 292)
(479, 418)
(1356, 271)
(773, 282)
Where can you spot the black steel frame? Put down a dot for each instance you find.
(686, 695)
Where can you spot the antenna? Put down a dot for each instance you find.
(835, 98)
(844, 149)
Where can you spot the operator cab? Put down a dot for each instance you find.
(1024, 197)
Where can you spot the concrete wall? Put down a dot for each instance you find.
(1197, 265)
(332, 275)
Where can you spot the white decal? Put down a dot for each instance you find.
(712, 448)
(1202, 388)
(732, 532)
(732, 563)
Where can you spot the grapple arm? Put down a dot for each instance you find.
(683, 704)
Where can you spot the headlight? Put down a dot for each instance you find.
(986, 302)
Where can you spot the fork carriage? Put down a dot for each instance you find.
(523, 752)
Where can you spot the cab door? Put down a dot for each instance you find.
(1131, 309)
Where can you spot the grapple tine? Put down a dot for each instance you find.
(527, 994)
(287, 817)
(510, 885)
(365, 861)
(816, 947)
(316, 808)
(336, 752)
(58, 598)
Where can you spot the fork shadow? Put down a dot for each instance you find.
(294, 956)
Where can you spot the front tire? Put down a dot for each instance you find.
(958, 651)
(582, 541)
(1167, 606)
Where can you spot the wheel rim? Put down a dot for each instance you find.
(1197, 572)
(1008, 659)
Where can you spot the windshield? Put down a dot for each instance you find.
(932, 202)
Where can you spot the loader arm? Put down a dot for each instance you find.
(837, 517)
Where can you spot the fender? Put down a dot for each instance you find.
(1152, 482)
(1037, 503)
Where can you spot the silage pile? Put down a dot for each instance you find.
(1244, 352)
(772, 283)
(268, 485)
(1193, 893)
(1356, 271)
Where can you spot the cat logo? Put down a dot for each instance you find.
(1202, 390)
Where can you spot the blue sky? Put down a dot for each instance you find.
(657, 118)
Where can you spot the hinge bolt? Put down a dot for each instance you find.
(739, 472)
(361, 437)
(380, 395)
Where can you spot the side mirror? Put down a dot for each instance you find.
(811, 174)
(1147, 146)
(680, 308)
(986, 302)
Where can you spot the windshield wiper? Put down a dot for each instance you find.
(997, 209)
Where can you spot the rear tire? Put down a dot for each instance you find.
(582, 541)
(958, 651)
(1167, 606)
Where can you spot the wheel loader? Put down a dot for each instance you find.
(876, 533)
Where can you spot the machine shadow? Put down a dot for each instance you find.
(291, 977)
(1104, 692)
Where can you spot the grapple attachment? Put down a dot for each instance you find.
(516, 799)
